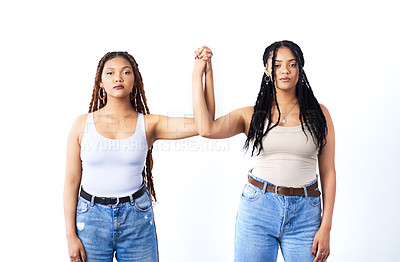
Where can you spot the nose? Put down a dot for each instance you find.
(118, 78)
(285, 69)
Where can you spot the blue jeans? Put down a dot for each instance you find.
(266, 221)
(127, 229)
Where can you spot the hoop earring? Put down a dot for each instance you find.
(105, 95)
(267, 79)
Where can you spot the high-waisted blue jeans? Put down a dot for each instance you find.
(127, 229)
(266, 220)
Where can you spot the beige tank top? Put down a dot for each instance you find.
(288, 158)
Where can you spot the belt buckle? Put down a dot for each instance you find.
(116, 204)
(276, 190)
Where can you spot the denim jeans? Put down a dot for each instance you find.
(127, 229)
(266, 221)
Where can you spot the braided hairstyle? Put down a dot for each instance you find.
(310, 111)
(138, 102)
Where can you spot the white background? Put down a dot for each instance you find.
(49, 54)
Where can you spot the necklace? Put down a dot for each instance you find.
(123, 118)
(283, 121)
(118, 121)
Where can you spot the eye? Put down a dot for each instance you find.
(293, 65)
(126, 72)
(109, 73)
(276, 65)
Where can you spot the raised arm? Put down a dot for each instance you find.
(163, 127)
(205, 54)
(232, 124)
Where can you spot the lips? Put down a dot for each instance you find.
(119, 87)
(285, 79)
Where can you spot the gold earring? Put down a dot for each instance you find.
(105, 94)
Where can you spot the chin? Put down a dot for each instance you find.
(286, 88)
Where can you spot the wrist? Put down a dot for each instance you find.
(326, 228)
(71, 235)
(198, 72)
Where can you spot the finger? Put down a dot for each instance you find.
(208, 49)
(83, 255)
(206, 55)
(203, 56)
(317, 258)
(209, 53)
(320, 257)
(325, 256)
(197, 52)
(314, 247)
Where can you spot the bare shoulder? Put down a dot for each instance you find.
(328, 118)
(151, 117)
(246, 112)
(325, 111)
(151, 120)
(79, 122)
(78, 127)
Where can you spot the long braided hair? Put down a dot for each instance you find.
(138, 102)
(310, 111)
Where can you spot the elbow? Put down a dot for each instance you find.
(205, 133)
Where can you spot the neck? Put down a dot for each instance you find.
(286, 97)
(117, 106)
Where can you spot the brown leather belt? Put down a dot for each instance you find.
(287, 191)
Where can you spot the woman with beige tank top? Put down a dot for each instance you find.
(287, 132)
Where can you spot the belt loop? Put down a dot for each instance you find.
(305, 192)
(131, 198)
(92, 201)
(265, 187)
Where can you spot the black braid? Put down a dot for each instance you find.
(310, 111)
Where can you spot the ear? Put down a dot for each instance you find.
(267, 71)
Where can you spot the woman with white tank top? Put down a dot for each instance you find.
(109, 189)
(287, 132)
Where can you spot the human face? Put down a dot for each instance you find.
(117, 77)
(286, 69)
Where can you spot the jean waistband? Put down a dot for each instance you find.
(113, 200)
(263, 181)
(308, 190)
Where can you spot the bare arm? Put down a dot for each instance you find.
(171, 128)
(232, 124)
(209, 89)
(162, 127)
(72, 182)
(326, 161)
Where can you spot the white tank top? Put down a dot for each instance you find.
(112, 167)
(288, 158)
